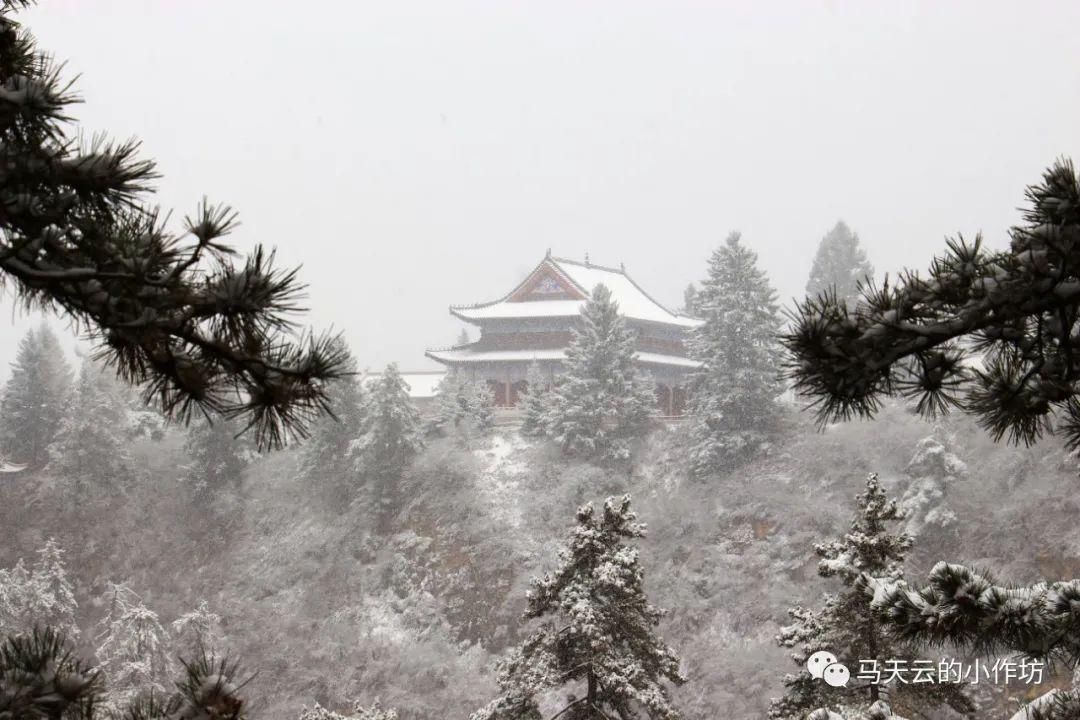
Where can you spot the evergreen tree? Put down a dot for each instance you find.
(733, 396)
(603, 400)
(463, 407)
(35, 398)
(535, 403)
(840, 265)
(39, 596)
(196, 324)
(197, 632)
(848, 628)
(58, 604)
(219, 455)
(326, 452)
(932, 470)
(391, 429)
(21, 600)
(606, 643)
(690, 300)
(91, 449)
(133, 649)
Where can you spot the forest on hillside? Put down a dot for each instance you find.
(866, 512)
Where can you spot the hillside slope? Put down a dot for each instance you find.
(330, 600)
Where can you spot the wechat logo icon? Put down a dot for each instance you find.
(822, 665)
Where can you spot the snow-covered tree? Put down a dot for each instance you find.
(848, 628)
(359, 712)
(188, 317)
(391, 429)
(932, 470)
(21, 602)
(603, 399)
(197, 632)
(54, 586)
(598, 636)
(463, 407)
(218, 455)
(733, 400)
(690, 300)
(463, 337)
(840, 265)
(35, 398)
(133, 648)
(41, 596)
(91, 449)
(326, 453)
(534, 406)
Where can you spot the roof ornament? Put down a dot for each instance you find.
(587, 259)
(622, 267)
(548, 253)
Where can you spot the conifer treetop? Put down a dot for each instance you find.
(599, 630)
(602, 399)
(840, 264)
(868, 547)
(733, 394)
(35, 398)
(391, 426)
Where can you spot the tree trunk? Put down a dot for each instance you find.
(591, 697)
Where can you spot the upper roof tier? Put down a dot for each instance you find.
(559, 288)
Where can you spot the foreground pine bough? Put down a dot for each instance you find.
(1016, 309)
(998, 336)
(197, 328)
(41, 678)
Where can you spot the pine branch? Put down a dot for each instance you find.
(1018, 309)
(187, 317)
(968, 608)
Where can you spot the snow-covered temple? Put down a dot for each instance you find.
(534, 322)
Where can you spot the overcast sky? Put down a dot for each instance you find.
(411, 155)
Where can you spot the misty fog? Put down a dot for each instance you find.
(413, 155)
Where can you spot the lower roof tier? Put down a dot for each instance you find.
(463, 355)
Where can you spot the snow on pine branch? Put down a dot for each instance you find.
(1016, 310)
(967, 607)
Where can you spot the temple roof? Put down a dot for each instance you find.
(559, 288)
(463, 354)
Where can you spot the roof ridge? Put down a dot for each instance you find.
(591, 265)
